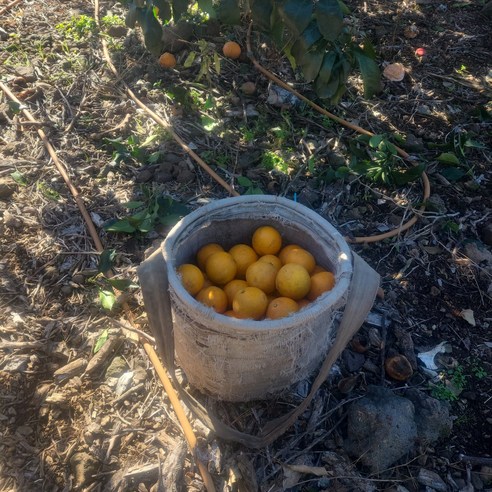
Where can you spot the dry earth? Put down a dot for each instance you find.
(65, 424)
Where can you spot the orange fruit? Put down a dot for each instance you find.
(274, 260)
(191, 278)
(243, 255)
(167, 60)
(296, 254)
(318, 269)
(266, 240)
(213, 297)
(231, 50)
(320, 282)
(281, 307)
(230, 313)
(220, 267)
(293, 281)
(205, 251)
(232, 287)
(262, 274)
(207, 282)
(303, 303)
(250, 302)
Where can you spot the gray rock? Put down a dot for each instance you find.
(432, 479)
(381, 428)
(4, 35)
(478, 253)
(7, 188)
(431, 416)
(116, 368)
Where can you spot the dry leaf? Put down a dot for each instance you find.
(411, 32)
(467, 315)
(394, 72)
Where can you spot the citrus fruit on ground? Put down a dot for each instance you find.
(317, 269)
(232, 287)
(274, 260)
(167, 60)
(191, 278)
(293, 281)
(281, 307)
(296, 254)
(243, 255)
(213, 297)
(320, 282)
(231, 50)
(205, 251)
(220, 268)
(266, 240)
(262, 274)
(250, 302)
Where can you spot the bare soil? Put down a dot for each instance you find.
(71, 428)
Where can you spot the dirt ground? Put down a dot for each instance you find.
(68, 422)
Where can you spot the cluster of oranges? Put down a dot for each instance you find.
(264, 280)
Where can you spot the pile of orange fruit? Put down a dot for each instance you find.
(263, 280)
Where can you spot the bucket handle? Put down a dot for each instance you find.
(154, 284)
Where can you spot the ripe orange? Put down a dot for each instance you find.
(281, 307)
(296, 254)
(274, 260)
(205, 251)
(318, 269)
(231, 50)
(303, 303)
(293, 281)
(233, 287)
(250, 302)
(167, 60)
(244, 256)
(191, 278)
(266, 240)
(220, 267)
(230, 313)
(320, 282)
(262, 274)
(213, 297)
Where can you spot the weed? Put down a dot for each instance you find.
(272, 160)
(78, 28)
(251, 188)
(451, 384)
(150, 212)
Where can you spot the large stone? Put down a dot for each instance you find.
(381, 428)
(431, 416)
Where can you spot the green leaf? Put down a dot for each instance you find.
(296, 14)
(107, 299)
(228, 12)
(329, 17)
(102, 339)
(370, 73)
(310, 64)
(121, 283)
(208, 123)
(208, 7)
(261, 14)
(244, 181)
(327, 82)
(179, 8)
(19, 178)
(119, 226)
(375, 140)
(164, 10)
(152, 31)
(308, 37)
(449, 158)
(189, 59)
(47, 191)
(343, 6)
(408, 175)
(106, 260)
(453, 173)
(133, 204)
(131, 16)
